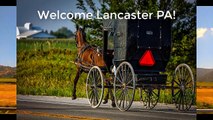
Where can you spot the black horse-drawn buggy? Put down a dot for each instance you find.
(136, 53)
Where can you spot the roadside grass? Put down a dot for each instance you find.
(44, 67)
(7, 111)
(7, 80)
(204, 105)
(205, 84)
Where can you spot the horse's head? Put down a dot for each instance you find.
(80, 36)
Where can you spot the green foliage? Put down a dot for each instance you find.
(183, 36)
(62, 32)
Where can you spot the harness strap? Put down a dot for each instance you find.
(82, 51)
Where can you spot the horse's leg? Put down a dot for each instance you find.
(109, 93)
(111, 96)
(107, 96)
(79, 71)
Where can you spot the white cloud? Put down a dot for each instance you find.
(201, 32)
(211, 29)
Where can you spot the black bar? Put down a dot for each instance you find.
(8, 116)
(204, 3)
(204, 116)
(7, 2)
(105, 44)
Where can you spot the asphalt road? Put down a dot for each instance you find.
(62, 108)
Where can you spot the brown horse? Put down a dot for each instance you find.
(88, 56)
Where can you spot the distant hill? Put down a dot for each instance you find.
(6, 71)
(204, 75)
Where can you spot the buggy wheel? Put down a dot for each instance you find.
(149, 97)
(183, 87)
(95, 86)
(124, 86)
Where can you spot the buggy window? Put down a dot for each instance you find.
(149, 34)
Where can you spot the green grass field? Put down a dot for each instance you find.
(44, 67)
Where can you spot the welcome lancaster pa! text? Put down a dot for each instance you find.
(135, 15)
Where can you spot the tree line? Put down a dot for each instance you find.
(62, 32)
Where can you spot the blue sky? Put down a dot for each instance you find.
(8, 36)
(205, 37)
(27, 12)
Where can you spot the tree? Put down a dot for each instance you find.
(183, 27)
(46, 31)
(63, 32)
(184, 35)
(51, 32)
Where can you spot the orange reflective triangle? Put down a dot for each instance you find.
(147, 59)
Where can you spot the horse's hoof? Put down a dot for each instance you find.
(74, 97)
(105, 102)
(113, 104)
